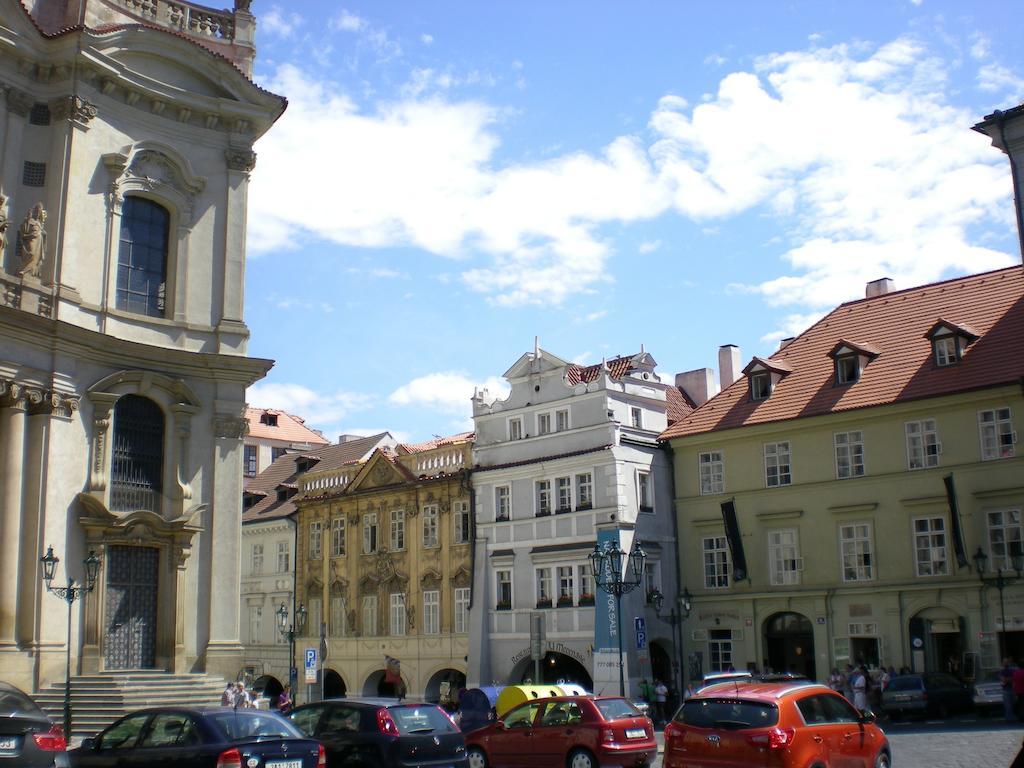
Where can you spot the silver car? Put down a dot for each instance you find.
(28, 738)
(988, 693)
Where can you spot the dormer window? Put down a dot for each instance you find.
(763, 376)
(949, 342)
(270, 419)
(850, 360)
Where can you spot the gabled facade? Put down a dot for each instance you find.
(384, 570)
(126, 133)
(835, 519)
(570, 452)
(272, 433)
(268, 549)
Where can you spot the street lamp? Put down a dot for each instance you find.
(69, 594)
(1000, 582)
(611, 577)
(685, 604)
(291, 631)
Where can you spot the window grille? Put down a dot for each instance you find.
(138, 460)
(33, 174)
(40, 114)
(142, 257)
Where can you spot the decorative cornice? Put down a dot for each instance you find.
(240, 159)
(230, 427)
(76, 109)
(19, 102)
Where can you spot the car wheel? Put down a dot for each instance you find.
(883, 760)
(580, 758)
(476, 758)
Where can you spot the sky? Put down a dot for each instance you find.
(454, 178)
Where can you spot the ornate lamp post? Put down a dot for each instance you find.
(69, 594)
(1000, 582)
(685, 604)
(291, 631)
(610, 576)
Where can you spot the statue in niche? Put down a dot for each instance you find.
(3, 224)
(33, 241)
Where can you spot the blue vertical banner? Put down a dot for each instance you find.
(606, 625)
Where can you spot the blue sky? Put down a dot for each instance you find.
(453, 178)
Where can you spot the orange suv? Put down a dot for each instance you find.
(781, 725)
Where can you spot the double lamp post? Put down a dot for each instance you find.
(1000, 581)
(290, 632)
(618, 573)
(69, 594)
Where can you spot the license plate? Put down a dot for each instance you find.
(635, 733)
(284, 763)
(8, 743)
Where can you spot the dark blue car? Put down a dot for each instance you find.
(214, 737)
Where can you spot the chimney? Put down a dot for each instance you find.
(1006, 129)
(879, 287)
(785, 342)
(728, 364)
(699, 385)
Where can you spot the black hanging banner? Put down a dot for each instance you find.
(954, 517)
(732, 534)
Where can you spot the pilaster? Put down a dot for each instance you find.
(14, 400)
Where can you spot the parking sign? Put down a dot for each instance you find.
(641, 632)
(311, 657)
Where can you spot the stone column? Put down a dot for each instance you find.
(240, 162)
(12, 438)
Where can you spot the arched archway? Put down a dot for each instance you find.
(334, 685)
(554, 668)
(936, 640)
(789, 644)
(270, 688)
(443, 687)
(376, 685)
(661, 664)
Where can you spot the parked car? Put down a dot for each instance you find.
(28, 738)
(784, 725)
(566, 732)
(208, 737)
(717, 678)
(382, 733)
(988, 693)
(931, 693)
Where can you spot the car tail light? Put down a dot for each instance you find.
(230, 758)
(607, 735)
(321, 758)
(52, 740)
(776, 738)
(386, 723)
(672, 730)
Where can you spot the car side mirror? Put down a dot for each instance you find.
(501, 724)
(867, 716)
(89, 743)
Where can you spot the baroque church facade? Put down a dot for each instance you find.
(126, 134)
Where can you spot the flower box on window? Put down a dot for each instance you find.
(544, 602)
(584, 505)
(501, 519)
(543, 513)
(504, 606)
(563, 510)
(565, 601)
(586, 599)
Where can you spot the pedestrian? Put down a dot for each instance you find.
(860, 689)
(660, 695)
(848, 675)
(1006, 683)
(242, 700)
(227, 698)
(835, 680)
(883, 678)
(1017, 683)
(645, 691)
(284, 701)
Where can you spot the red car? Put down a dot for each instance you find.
(565, 732)
(781, 725)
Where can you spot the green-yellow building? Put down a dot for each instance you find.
(833, 498)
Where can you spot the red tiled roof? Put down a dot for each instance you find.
(678, 404)
(992, 304)
(291, 429)
(284, 473)
(617, 368)
(437, 442)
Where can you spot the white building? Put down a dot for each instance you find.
(272, 433)
(126, 133)
(571, 451)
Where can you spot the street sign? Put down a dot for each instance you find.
(537, 636)
(311, 658)
(641, 632)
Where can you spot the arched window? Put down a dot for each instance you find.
(138, 456)
(142, 257)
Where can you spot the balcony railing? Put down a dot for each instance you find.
(190, 18)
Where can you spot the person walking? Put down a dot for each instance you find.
(227, 698)
(860, 689)
(660, 695)
(1006, 681)
(835, 680)
(284, 701)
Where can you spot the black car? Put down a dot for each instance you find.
(209, 737)
(28, 738)
(931, 693)
(382, 733)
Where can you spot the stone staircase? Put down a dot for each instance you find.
(100, 699)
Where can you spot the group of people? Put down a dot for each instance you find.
(859, 686)
(237, 696)
(655, 694)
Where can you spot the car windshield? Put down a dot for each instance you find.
(243, 726)
(904, 683)
(729, 714)
(422, 719)
(14, 703)
(616, 709)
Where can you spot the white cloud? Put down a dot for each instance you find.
(979, 46)
(321, 410)
(426, 39)
(650, 246)
(715, 60)
(595, 316)
(279, 23)
(346, 21)
(447, 392)
(294, 302)
(995, 78)
(856, 152)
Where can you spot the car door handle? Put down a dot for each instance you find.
(848, 736)
(817, 738)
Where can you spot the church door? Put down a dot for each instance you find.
(131, 607)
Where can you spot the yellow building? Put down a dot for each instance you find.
(831, 501)
(384, 570)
